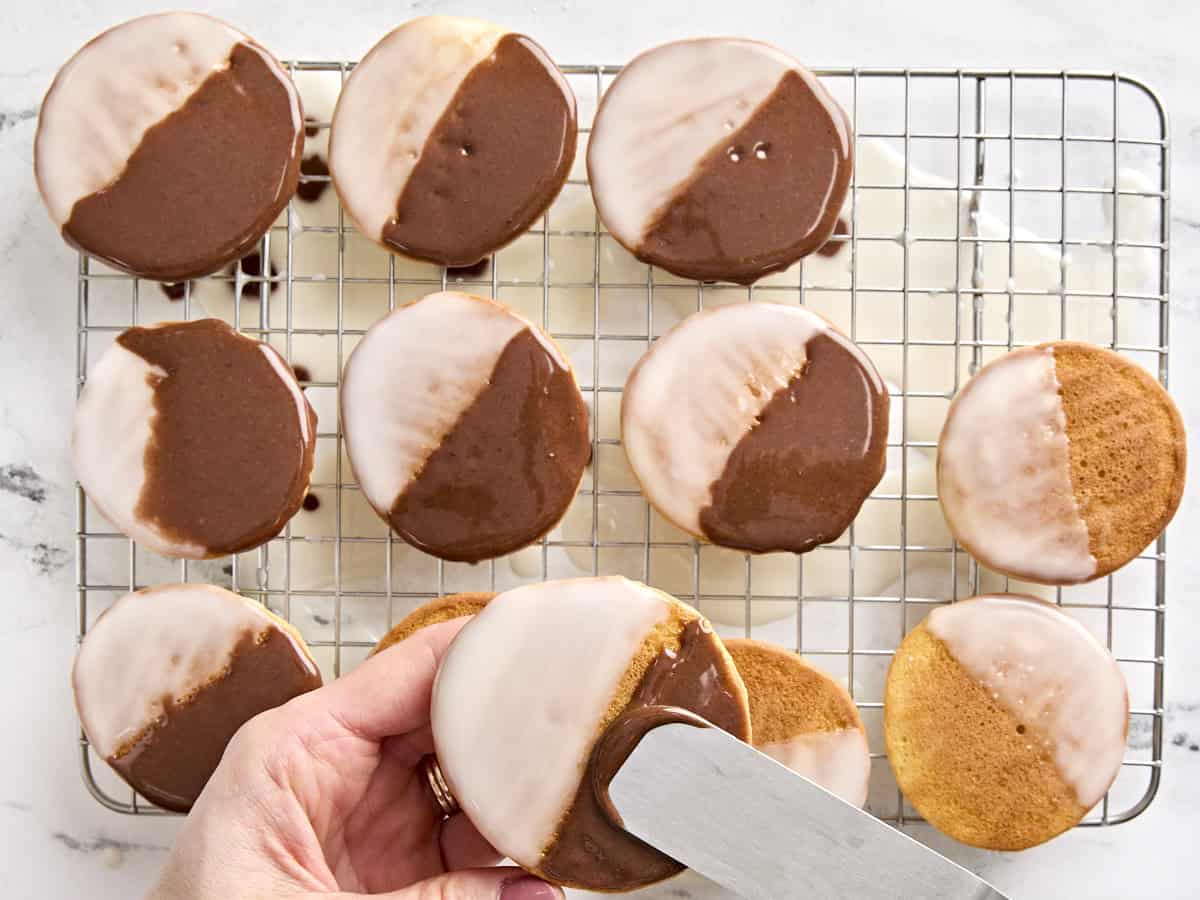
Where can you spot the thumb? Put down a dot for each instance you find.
(502, 883)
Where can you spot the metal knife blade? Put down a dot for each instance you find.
(755, 827)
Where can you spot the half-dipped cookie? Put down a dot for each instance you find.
(192, 439)
(1005, 720)
(450, 138)
(166, 675)
(719, 159)
(443, 609)
(553, 682)
(1060, 463)
(167, 145)
(464, 426)
(804, 719)
(756, 426)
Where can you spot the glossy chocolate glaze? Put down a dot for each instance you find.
(494, 161)
(172, 760)
(509, 468)
(227, 463)
(764, 197)
(798, 478)
(197, 193)
(690, 684)
(831, 247)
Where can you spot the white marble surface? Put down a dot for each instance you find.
(55, 841)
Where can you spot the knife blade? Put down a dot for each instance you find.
(755, 827)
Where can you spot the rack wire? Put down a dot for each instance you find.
(1080, 132)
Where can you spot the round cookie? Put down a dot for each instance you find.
(1060, 463)
(192, 439)
(464, 426)
(804, 719)
(443, 609)
(144, 156)
(1005, 720)
(451, 138)
(719, 159)
(756, 426)
(540, 677)
(166, 675)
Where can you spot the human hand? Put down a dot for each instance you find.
(325, 796)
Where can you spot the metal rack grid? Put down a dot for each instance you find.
(982, 141)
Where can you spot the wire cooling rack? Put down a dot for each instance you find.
(1043, 172)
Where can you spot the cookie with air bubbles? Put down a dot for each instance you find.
(1005, 720)
(451, 138)
(464, 426)
(167, 674)
(1060, 463)
(192, 439)
(804, 719)
(559, 680)
(719, 159)
(167, 145)
(443, 609)
(756, 426)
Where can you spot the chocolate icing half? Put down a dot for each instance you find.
(690, 684)
(494, 161)
(799, 476)
(509, 467)
(170, 762)
(205, 182)
(227, 463)
(764, 197)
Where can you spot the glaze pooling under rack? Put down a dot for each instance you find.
(1051, 148)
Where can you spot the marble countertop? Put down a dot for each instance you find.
(55, 841)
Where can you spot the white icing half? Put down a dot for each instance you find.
(838, 761)
(699, 389)
(112, 428)
(390, 105)
(112, 91)
(161, 642)
(520, 696)
(1004, 476)
(1051, 674)
(412, 377)
(668, 108)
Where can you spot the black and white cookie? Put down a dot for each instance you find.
(167, 145)
(193, 440)
(450, 138)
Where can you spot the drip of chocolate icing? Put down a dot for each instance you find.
(311, 191)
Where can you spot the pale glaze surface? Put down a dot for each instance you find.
(391, 103)
(520, 697)
(95, 113)
(1004, 477)
(412, 377)
(1051, 674)
(699, 389)
(151, 645)
(838, 761)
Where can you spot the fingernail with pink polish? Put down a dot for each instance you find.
(527, 887)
